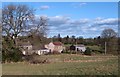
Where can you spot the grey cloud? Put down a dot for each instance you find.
(99, 24)
(80, 22)
(58, 20)
(67, 25)
(108, 21)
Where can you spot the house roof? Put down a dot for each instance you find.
(24, 44)
(43, 48)
(57, 43)
(38, 47)
(81, 45)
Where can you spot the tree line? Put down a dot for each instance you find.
(108, 36)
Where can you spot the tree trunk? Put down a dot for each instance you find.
(15, 42)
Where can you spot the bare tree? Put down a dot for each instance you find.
(15, 19)
(110, 37)
(38, 31)
(108, 33)
(39, 27)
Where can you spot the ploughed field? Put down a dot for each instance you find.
(65, 64)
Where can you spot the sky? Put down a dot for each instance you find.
(86, 19)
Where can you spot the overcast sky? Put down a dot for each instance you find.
(86, 19)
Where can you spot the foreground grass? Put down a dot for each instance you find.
(66, 64)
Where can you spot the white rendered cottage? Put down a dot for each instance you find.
(81, 48)
(55, 47)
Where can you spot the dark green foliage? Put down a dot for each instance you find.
(66, 51)
(74, 52)
(72, 47)
(16, 55)
(13, 54)
(10, 52)
(87, 51)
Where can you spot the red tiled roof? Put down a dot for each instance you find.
(57, 43)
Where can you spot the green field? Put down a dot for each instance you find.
(66, 64)
(95, 47)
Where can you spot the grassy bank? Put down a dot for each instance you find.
(66, 64)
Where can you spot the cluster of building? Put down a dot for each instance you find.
(52, 47)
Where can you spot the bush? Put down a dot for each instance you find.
(39, 61)
(13, 54)
(87, 51)
(10, 52)
(17, 55)
(74, 52)
(66, 52)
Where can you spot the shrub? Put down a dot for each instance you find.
(13, 54)
(3, 56)
(39, 61)
(74, 52)
(10, 52)
(87, 51)
(16, 55)
(66, 52)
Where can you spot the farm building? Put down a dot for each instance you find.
(26, 48)
(42, 51)
(80, 48)
(52, 47)
(55, 47)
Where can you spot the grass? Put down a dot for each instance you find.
(95, 47)
(66, 64)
